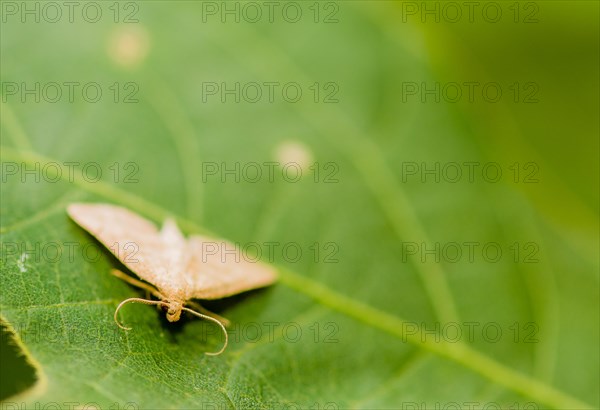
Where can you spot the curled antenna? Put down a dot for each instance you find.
(135, 300)
(212, 319)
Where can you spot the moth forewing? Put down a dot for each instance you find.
(215, 275)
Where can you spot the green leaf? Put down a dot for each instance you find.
(358, 320)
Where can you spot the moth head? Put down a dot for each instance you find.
(174, 310)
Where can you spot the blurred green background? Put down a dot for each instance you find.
(366, 119)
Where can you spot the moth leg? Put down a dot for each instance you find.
(137, 283)
(206, 312)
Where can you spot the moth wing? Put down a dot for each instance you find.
(218, 269)
(134, 240)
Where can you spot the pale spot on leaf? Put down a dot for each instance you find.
(128, 47)
(294, 152)
(21, 262)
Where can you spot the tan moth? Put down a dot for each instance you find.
(179, 269)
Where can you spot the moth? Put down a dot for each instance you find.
(175, 269)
